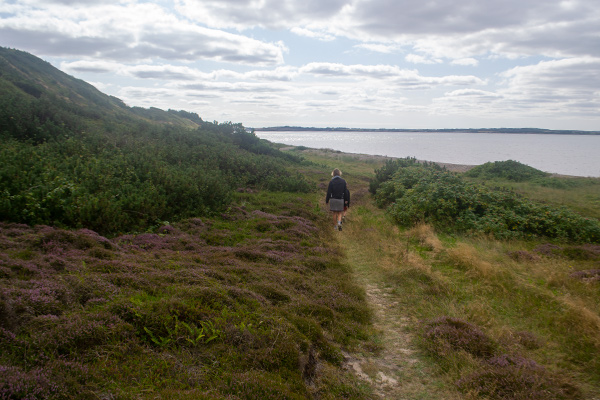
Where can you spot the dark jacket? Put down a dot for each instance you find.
(347, 198)
(336, 189)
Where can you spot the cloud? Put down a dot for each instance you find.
(466, 61)
(169, 72)
(312, 34)
(453, 29)
(378, 48)
(550, 89)
(418, 59)
(273, 14)
(393, 74)
(473, 94)
(88, 66)
(567, 85)
(128, 32)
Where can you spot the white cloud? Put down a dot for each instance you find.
(466, 61)
(378, 48)
(550, 89)
(559, 86)
(176, 72)
(418, 59)
(273, 14)
(472, 93)
(393, 74)
(312, 34)
(129, 32)
(444, 28)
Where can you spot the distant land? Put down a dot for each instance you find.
(479, 130)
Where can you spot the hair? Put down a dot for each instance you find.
(336, 172)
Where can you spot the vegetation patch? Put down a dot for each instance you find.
(515, 377)
(509, 170)
(415, 194)
(446, 334)
(590, 275)
(177, 312)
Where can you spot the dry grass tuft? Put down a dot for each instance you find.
(427, 237)
(581, 316)
(466, 256)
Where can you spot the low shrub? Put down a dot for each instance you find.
(180, 311)
(510, 170)
(517, 378)
(445, 334)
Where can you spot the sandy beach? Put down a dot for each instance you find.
(363, 157)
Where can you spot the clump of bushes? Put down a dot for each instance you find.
(132, 180)
(509, 170)
(499, 375)
(424, 194)
(517, 378)
(445, 334)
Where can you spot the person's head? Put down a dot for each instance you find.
(336, 172)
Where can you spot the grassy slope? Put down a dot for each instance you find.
(545, 322)
(580, 194)
(255, 304)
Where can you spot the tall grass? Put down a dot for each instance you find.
(533, 305)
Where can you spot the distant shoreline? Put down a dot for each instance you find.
(521, 131)
(362, 157)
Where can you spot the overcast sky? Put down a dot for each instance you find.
(329, 63)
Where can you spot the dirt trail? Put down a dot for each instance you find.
(395, 371)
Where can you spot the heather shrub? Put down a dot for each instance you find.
(77, 333)
(217, 295)
(258, 384)
(590, 275)
(515, 377)
(33, 384)
(444, 335)
(134, 176)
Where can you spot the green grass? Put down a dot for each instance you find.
(543, 320)
(580, 194)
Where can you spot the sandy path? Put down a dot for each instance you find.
(396, 370)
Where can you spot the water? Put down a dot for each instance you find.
(577, 155)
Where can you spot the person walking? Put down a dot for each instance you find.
(336, 192)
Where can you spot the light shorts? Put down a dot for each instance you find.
(336, 204)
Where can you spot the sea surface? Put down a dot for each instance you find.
(577, 155)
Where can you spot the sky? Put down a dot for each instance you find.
(417, 64)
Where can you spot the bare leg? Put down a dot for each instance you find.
(337, 216)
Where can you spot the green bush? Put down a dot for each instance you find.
(510, 170)
(144, 177)
(423, 194)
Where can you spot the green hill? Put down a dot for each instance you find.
(75, 157)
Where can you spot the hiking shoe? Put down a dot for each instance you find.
(339, 227)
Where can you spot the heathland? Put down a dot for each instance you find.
(151, 254)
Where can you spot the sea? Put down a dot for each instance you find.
(576, 155)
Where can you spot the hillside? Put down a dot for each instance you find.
(74, 157)
(33, 88)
